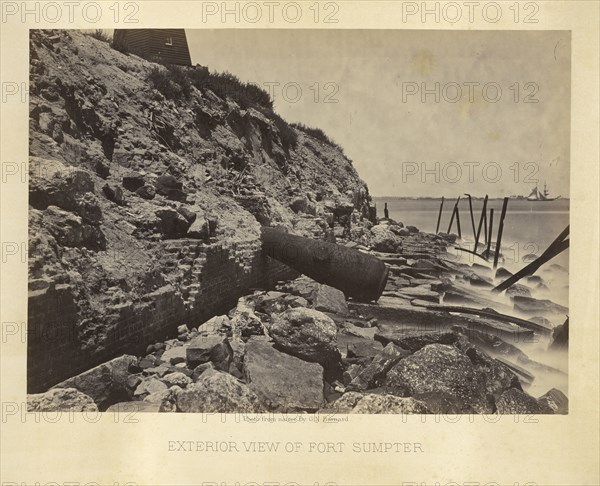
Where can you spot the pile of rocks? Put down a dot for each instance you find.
(302, 348)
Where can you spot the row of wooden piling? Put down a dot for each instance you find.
(483, 224)
(560, 244)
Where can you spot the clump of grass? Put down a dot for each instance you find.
(100, 35)
(172, 81)
(175, 82)
(318, 134)
(228, 85)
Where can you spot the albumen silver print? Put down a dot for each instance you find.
(299, 243)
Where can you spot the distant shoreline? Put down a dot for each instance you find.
(436, 198)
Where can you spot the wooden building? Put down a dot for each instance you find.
(165, 46)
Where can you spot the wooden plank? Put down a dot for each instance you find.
(484, 313)
(500, 229)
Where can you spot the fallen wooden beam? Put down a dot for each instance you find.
(484, 313)
(393, 312)
(559, 245)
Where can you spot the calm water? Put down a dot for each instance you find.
(529, 227)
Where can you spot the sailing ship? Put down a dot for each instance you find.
(537, 195)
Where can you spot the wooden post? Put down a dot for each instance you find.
(471, 212)
(481, 218)
(560, 244)
(454, 211)
(489, 240)
(500, 229)
(437, 228)
(458, 222)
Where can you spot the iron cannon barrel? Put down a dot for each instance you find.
(357, 274)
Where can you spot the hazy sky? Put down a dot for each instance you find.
(392, 140)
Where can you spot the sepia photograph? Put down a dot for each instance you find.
(312, 243)
(308, 221)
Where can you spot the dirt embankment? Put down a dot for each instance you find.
(117, 169)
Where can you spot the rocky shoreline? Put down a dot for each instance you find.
(435, 342)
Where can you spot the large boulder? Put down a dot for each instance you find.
(518, 289)
(438, 368)
(514, 401)
(306, 333)
(114, 193)
(145, 192)
(554, 401)
(132, 181)
(353, 402)
(299, 204)
(176, 379)
(172, 223)
(283, 383)
(199, 228)
(214, 325)
(329, 299)
(71, 230)
(302, 286)
(560, 336)
(106, 383)
(59, 400)
(502, 273)
(385, 240)
(169, 187)
(218, 392)
(212, 348)
(537, 307)
(175, 355)
(52, 183)
(149, 385)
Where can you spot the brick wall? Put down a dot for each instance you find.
(208, 281)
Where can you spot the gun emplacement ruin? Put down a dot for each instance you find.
(358, 275)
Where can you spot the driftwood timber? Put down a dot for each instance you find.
(357, 274)
(484, 313)
(560, 244)
(393, 313)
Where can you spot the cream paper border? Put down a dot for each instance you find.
(542, 450)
